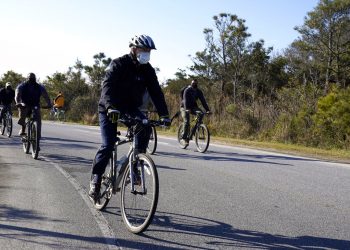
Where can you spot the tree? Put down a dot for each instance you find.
(221, 60)
(12, 77)
(96, 72)
(326, 32)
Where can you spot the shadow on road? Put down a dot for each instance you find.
(67, 143)
(218, 235)
(9, 213)
(232, 157)
(38, 236)
(69, 160)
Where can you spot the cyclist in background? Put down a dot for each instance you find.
(58, 101)
(190, 95)
(7, 96)
(28, 96)
(125, 82)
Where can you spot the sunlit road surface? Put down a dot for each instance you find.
(227, 198)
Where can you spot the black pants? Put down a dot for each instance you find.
(108, 134)
(186, 120)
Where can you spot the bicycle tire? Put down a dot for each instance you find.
(3, 126)
(9, 125)
(26, 139)
(136, 217)
(202, 138)
(34, 140)
(106, 187)
(179, 136)
(61, 115)
(152, 144)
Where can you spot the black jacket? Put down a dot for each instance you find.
(30, 93)
(125, 83)
(6, 96)
(190, 97)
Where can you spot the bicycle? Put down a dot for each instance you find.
(138, 185)
(153, 140)
(31, 140)
(6, 124)
(199, 130)
(59, 114)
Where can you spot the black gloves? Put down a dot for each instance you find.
(165, 121)
(113, 114)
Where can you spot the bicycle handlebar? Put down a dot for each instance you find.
(22, 105)
(129, 121)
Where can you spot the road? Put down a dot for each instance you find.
(227, 198)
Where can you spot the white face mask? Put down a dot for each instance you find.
(143, 57)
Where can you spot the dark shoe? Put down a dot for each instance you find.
(95, 185)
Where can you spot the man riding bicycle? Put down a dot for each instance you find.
(190, 95)
(7, 96)
(28, 96)
(125, 82)
(58, 103)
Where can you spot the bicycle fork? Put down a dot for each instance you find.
(134, 173)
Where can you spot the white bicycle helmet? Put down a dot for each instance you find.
(142, 41)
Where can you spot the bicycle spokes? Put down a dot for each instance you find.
(139, 202)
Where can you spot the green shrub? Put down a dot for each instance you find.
(332, 119)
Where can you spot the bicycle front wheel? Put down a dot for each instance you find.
(26, 139)
(139, 205)
(152, 144)
(34, 140)
(202, 138)
(180, 132)
(61, 116)
(9, 126)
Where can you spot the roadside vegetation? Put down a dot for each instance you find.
(299, 96)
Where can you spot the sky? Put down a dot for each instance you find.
(48, 36)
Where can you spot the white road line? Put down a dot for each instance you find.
(107, 232)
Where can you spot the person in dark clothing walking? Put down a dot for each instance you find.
(28, 96)
(189, 105)
(7, 96)
(125, 82)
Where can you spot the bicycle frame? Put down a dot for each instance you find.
(198, 121)
(6, 122)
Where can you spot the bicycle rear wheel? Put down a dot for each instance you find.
(106, 187)
(34, 140)
(138, 207)
(9, 125)
(152, 144)
(180, 132)
(202, 138)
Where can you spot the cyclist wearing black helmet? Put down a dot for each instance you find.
(126, 80)
(190, 96)
(28, 96)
